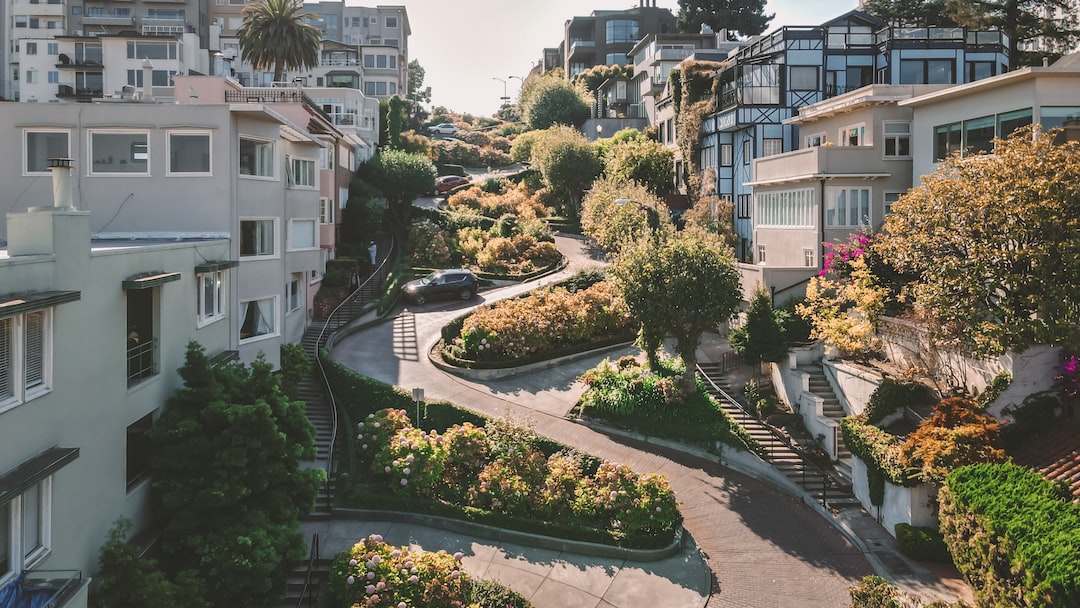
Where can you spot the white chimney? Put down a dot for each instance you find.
(147, 80)
(61, 180)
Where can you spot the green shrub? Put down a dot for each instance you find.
(584, 279)
(891, 396)
(995, 388)
(875, 592)
(922, 544)
(448, 169)
(487, 594)
(1037, 413)
(880, 452)
(1012, 537)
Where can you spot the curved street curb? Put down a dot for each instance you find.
(522, 538)
(509, 372)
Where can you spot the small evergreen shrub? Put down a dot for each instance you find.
(922, 544)
(891, 395)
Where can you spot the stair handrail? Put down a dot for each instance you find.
(379, 273)
(313, 557)
(826, 479)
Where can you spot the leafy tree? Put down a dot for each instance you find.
(397, 116)
(761, 338)
(711, 213)
(276, 34)
(417, 94)
(843, 311)
(612, 226)
(401, 177)
(682, 286)
(361, 218)
(644, 161)
(551, 100)
(1023, 21)
(227, 481)
(911, 13)
(568, 163)
(126, 580)
(995, 242)
(747, 17)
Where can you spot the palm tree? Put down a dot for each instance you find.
(275, 34)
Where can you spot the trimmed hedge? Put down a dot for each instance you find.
(1012, 536)
(880, 451)
(922, 544)
(892, 395)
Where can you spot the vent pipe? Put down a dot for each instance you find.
(147, 80)
(61, 179)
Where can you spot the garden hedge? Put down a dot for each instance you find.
(1012, 535)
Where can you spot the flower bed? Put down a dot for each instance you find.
(500, 469)
(630, 395)
(535, 325)
(373, 574)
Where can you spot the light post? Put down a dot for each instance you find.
(505, 98)
(418, 397)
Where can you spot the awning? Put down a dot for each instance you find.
(25, 475)
(146, 280)
(355, 139)
(28, 302)
(216, 266)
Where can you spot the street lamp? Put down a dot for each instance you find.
(505, 98)
(652, 216)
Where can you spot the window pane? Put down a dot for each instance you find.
(978, 133)
(42, 146)
(35, 349)
(189, 153)
(256, 158)
(119, 152)
(303, 234)
(939, 71)
(257, 318)
(1011, 121)
(256, 237)
(7, 371)
(804, 78)
(5, 539)
(31, 520)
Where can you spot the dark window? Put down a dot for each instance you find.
(926, 71)
(743, 208)
(138, 450)
(947, 140)
(977, 70)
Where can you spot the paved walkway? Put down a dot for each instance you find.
(758, 546)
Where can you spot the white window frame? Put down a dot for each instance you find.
(19, 560)
(896, 139)
(772, 142)
(203, 316)
(294, 293)
(145, 152)
(273, 240)
(16, 367)
(303, 172)
(274, 330)
(294, 230)
(794, 208)
(326, 210)
(856, 130)
(815, 139)
(761, 255)
(886, 204)
(727, 154)
(189, 133)
(809, 257)
(26, 143)
(832, 197)
(260, 141)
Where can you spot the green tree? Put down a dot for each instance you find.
(995, 244)
(613, 227)
(568, 163)
(761, 338)
(361, 218)
(1023, 21)
(552, 100)
(401, 177)
(682, 286)
(227, 481)
(126, 580)
(747, 17)
(397, 117)
(911, 13)
(275, 35)
(418, 95)
(644, 161)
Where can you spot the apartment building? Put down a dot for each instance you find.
(831, 187)
(607, 37)
(769, 79)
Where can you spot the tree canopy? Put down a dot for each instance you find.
(568, 163)
(644, 161)
(275, 35)
(682, 286)
(995, 243)
(552, 100)
(761, 338)
(227, 480)
(613, 227)
(401, 177)
(746, 17)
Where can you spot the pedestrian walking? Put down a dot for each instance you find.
(372, 251)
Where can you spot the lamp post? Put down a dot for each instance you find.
(505, 98)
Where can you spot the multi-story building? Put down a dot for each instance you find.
(607, 37)
(823, 193)
(769, 79)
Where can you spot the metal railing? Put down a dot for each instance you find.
(805, 464)
(313, 558)
(141, 361)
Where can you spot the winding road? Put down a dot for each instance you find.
(764, 548)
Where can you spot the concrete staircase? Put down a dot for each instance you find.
(777, 450)
(832, 409)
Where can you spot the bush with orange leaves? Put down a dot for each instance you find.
(957, 433)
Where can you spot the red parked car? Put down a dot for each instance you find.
(447, 183)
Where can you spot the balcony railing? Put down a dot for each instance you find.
(142, 361)
(264, 95)
(66, 90)
(41, 588)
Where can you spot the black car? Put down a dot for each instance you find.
(457, 283)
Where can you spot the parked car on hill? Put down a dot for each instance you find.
(456, 283)
(447, 183)
(444, 128)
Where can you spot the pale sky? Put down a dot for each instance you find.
(464, 45)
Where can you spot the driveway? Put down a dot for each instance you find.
(764, 548)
